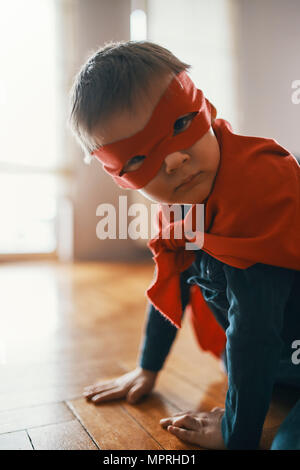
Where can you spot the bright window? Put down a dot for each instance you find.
(29, 131)
(138, 25)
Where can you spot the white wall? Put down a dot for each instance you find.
(269, 61)
(201, 33)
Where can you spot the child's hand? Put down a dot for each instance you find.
(203, 429)
(132, 385)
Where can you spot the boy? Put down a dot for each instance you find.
(135, 109)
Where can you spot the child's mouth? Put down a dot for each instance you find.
(189, 181)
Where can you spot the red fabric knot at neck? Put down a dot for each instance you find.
(171, 258)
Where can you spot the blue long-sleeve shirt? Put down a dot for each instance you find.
(259, 310)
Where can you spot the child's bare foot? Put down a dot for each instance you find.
(132, 385)
(203, 429)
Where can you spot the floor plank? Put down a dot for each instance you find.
(45, 383)
(112, 427)
(15, 441)
(25, 418)
(63, 436)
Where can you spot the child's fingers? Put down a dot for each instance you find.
(135, 393)
(90, 391)
(166, 422)
(96, 389)
(90, 388)
(90, 395)
(184, 420)
(184, 434)
(110, 395)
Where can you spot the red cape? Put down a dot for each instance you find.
(252, 215)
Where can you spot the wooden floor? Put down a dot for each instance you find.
(64, 327)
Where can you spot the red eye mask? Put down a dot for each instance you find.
(156, 139)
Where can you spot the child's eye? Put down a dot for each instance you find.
(183, 123)
(133, 164)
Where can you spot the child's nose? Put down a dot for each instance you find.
(175, 160)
